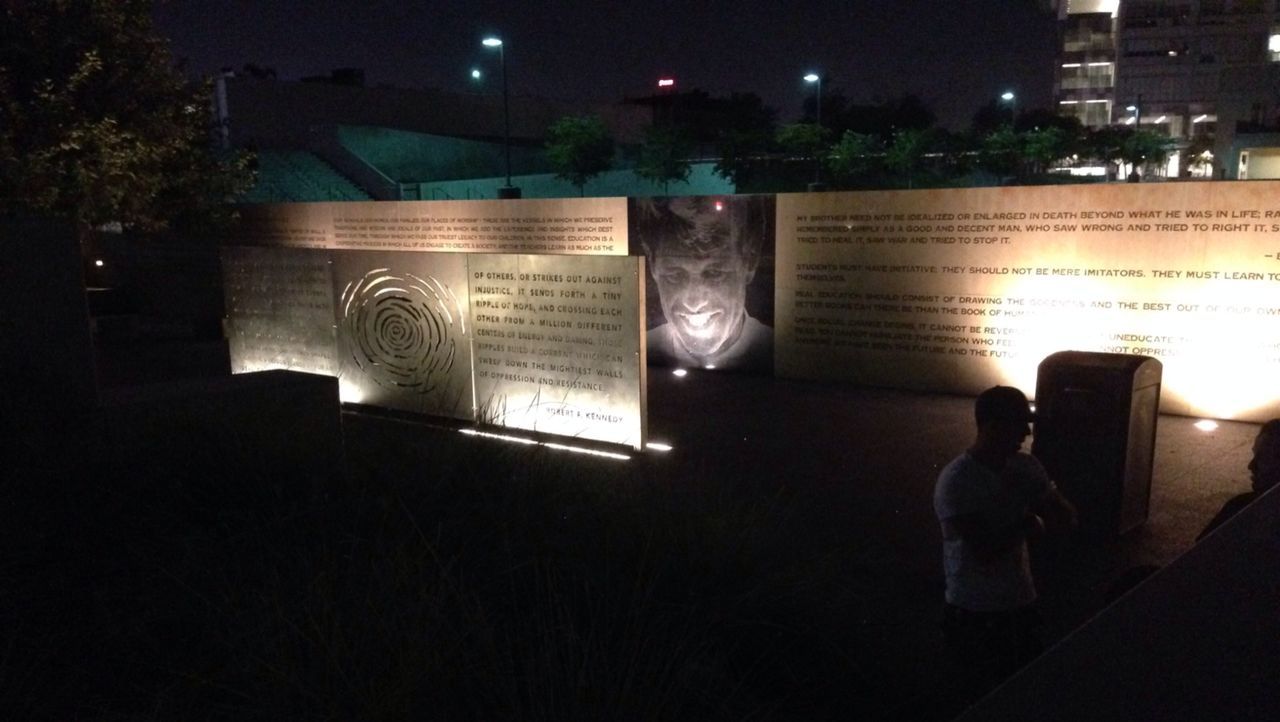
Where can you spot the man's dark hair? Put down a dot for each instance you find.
(1270, 428)
(1002, 403)
(661, 229)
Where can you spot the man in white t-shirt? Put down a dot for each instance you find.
(989, 501)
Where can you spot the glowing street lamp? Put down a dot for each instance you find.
(816, 79)
(1008, 97)
(507, 191)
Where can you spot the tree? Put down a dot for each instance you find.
(1106, 143)
(1199, 154)
(906, 153)
(579, 148)
(856, 157)
(98, 126)
(1147, 147)
(1042, 146)
(807, 140)
(1001, 152)
(664, 157)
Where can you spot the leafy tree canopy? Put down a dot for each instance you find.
(664, 157)
(579, 148)
(804, 139)
(1147, 147)
(905, 155)
(855, 157)
(97, 125)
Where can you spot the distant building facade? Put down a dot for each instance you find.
(1199, 71)
(332, 138)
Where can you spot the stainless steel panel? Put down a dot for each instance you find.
(279, 305)
(570, 226)
(403, 335)
(558, 345)
(958, 289)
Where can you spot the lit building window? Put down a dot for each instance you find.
(1273, 46)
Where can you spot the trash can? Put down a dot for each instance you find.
(1095, 432)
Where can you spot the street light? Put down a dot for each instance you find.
(817, 184)
(815, 78)
(507, 191)
(1008, 97)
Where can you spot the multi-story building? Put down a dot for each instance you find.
(1191, 69)
(1085, 79)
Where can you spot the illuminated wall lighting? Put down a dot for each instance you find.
(588, 452)
(500, 437)
(1206, 425)
(658, 446)
(666, 82)
(1273, 43)
(98, 263)
(681, 373)
(549, 444)
(349, 393)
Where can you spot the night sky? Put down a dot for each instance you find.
(956, 55)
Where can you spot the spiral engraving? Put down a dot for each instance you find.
(402, 330)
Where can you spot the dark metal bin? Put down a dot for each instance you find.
(1095, 432)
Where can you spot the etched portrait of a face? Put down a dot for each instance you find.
(702, 276)
(703, 253)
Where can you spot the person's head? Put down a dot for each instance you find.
(1264, 468)
(702, 255)
(1004, 420)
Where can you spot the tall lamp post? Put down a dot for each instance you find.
(1008, 97)
(1136, 109)
(507, 191)
(817, 184)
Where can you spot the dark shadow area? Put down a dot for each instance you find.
(781, 562)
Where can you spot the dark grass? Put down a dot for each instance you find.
(443, 577)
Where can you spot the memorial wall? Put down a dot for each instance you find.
(576, 226)
(956, 290)
(949, 290)
(540, 342)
